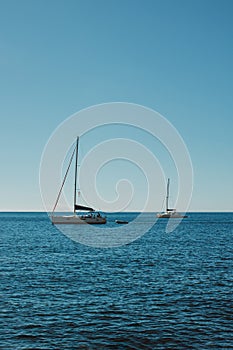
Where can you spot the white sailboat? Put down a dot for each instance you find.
(92, 217)
(170, 213)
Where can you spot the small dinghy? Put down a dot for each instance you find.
(121, 222)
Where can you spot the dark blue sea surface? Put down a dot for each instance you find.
(162, 291)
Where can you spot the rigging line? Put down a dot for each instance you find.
(163, 204)
(75, 175)
(59, 194)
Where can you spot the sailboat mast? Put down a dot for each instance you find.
(76, 171)
(168, 182)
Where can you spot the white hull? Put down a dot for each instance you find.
(170, 215)
(78, 220)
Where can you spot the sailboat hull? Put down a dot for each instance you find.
(78, 220)
(169, 215)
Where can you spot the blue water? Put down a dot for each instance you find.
(162, 291)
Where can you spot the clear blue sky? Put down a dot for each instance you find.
(58, 57)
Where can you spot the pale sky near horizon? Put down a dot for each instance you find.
(58, 57)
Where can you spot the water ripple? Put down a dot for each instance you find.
(163, 291)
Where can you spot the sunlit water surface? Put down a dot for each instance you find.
(162, 291)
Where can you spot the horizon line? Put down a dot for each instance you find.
(130, 211)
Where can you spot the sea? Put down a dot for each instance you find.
(161, 290)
